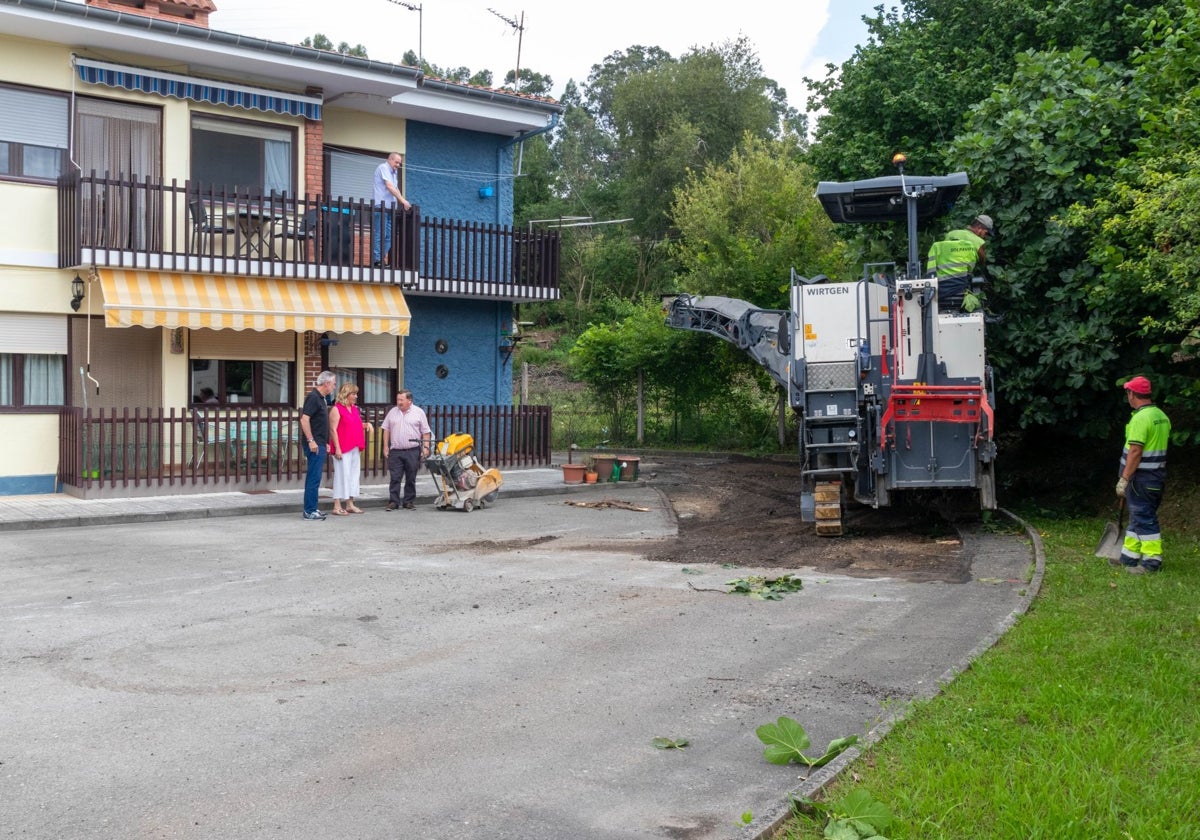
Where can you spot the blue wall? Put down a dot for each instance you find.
(444, 169)
(477, 372)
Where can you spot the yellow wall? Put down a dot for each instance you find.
(36, 63)
(363, 131)
(44, 291)
(28, 231)
(38, 452)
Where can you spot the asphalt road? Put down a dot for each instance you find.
(498, 674)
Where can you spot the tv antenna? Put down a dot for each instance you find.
(417, 7)
(520, 28)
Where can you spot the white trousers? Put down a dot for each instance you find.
(346, 473)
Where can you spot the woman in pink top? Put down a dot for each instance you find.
(347, 440)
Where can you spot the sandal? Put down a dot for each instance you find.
(339, 512)
(354, 509)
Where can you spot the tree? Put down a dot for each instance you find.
(1034, 148)
(532, 82)
(679, 370)
(1141, 224)
(680, 115)
(321, 42)
(911, 87)
(746, 222)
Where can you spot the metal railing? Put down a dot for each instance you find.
(128, 223)
(108, 451)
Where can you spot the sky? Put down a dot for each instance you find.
(564, 39)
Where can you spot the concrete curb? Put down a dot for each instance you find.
(186, 507)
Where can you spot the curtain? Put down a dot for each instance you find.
(377, 386)
(44, 379)
(278, 157)
(275, 382)
(6, 379)
(121, 142)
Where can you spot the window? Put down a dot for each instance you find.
(352, 174)
(32, 379)
(241, 156)
(375, 385)
(234, 382)
(33, 134)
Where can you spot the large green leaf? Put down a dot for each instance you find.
(868, 816)
(786, 741)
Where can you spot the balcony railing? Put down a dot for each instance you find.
(152, 450)
(150, 224)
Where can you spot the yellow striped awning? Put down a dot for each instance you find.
(225, 302)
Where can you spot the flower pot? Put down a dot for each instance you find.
(629, 467)
(590, 477)
(573, 473)
(604, 466)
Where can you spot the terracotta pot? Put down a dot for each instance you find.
(573, 473)
(590, 477)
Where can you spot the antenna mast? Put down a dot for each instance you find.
(520, 27)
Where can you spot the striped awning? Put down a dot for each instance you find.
(200, 90)
(222, 302)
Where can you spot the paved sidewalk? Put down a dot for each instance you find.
(60, 510)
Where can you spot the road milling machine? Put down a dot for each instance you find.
(891, 385)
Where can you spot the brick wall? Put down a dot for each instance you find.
(312, 361)
(177, 11)
(314, 147)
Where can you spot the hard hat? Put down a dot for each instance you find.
(984, 222)
(1140, 385)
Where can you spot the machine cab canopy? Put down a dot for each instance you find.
(883, 199)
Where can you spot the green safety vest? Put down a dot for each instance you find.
(955, 255)
(1150, 427)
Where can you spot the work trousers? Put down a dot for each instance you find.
(403, 465)
(1143, 538)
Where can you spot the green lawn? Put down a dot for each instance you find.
(1082, 722)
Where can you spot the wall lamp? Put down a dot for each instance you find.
(76, 292)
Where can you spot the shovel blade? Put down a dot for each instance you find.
(1110, 542)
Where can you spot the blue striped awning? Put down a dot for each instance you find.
(200, 90)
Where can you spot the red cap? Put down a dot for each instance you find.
(1140, 385)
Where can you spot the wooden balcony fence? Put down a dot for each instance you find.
(127, 223)
(145, 451)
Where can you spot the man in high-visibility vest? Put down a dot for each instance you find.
(1143, 474)
(953, 260)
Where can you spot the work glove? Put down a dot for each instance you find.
(1122, 483)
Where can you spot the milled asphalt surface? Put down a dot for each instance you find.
(171, 669)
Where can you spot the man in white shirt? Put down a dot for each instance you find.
(387, 196)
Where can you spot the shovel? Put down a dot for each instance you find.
(1112, 540)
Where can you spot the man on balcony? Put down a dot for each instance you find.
(387, 195)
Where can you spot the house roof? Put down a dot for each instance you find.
(348, 82)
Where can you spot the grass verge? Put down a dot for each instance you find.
(1082, 722)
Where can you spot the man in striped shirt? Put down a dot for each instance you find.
(406, 439)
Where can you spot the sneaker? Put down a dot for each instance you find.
(1116, 561)
(1137, 570)
(314, 516)
(392, 506)
(409, 506)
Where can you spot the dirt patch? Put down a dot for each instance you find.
(747, 513)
